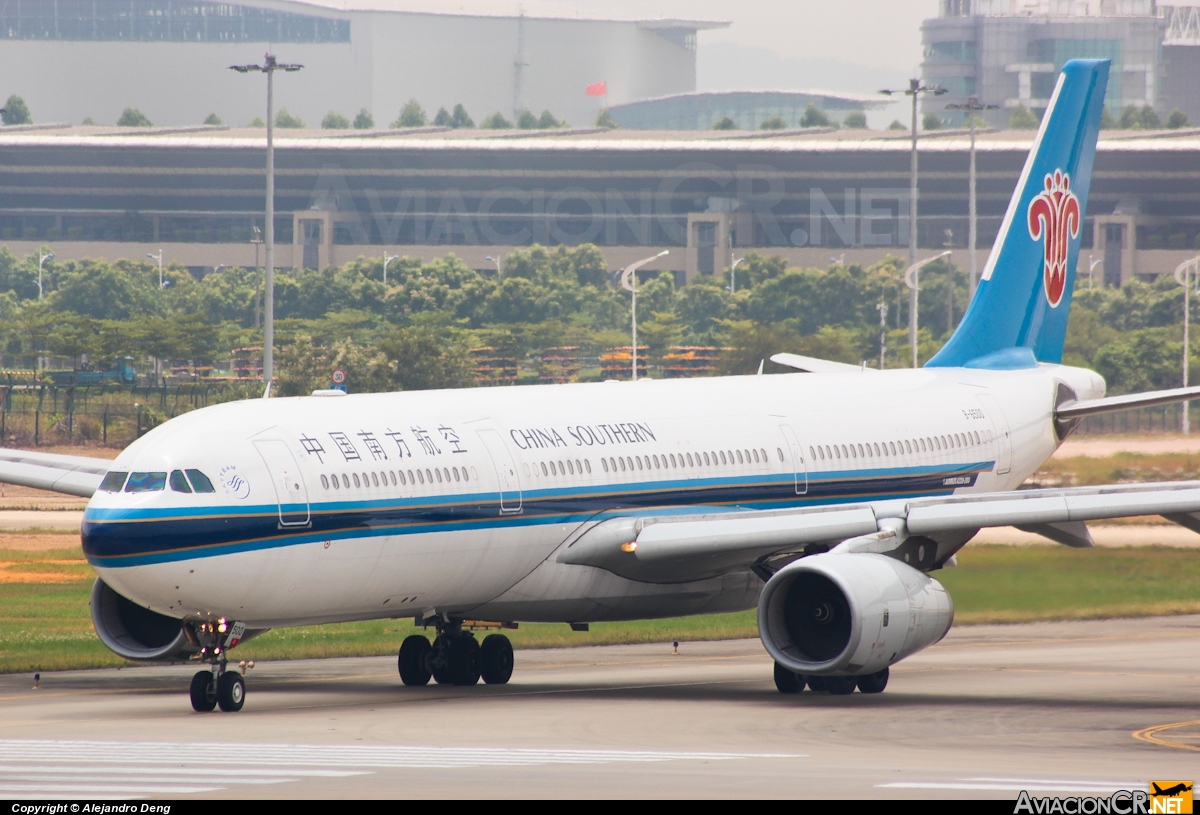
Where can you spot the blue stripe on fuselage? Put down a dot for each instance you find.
(119, 537)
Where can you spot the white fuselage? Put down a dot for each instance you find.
(454, 501)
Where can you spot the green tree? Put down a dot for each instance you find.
(411, 115)
(443, 118)
(931, 121)
(257, 121)
(287, 120)
(72, 337)
(547, 121)
(702, 305)
(364, 120)
(15, 112)
(527, 121)
(495, 122)
(774, 123)
(213, 119)
(301, 367)
(1148, 119)
(895, 125)
(1177, 119)
(749, 344)
(461, 118)
(427, 358)
(1022, 118)
(856, 120)
(132, 117)
(605, 119)
(1107, 120)
(1143, 360)
(813, 116)
(725, 123)
(335, 121)
(95, 288)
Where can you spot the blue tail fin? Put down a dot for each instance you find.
(1019, 312)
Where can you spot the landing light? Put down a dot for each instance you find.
(629, 547)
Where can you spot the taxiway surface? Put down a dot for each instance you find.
(1066, 708)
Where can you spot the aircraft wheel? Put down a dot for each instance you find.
(231, 691)
(203, 692)
(462, 660)
(414, 652)
(786, 681)
(496, 659)
(840, 685)
(873, 683)
(817, 683)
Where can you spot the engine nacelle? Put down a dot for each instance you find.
(850, 614)
(134, 632)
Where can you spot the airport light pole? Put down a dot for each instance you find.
(495, 260)
(1185, 274)
(257, 241)
(1091, 269)
(882, 308)
(269, 67)
(912, 279)
(971, 106)
(732, 270)
(159, 258)
(914, 89)
(386, 261)
(41, 263)
(629, 283)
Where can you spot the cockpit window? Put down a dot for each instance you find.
(146, 482)
(200, 482)
(178, 482)
(113, 481)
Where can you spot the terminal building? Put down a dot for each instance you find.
(1009, 53)
(706, 197)
(73, 60)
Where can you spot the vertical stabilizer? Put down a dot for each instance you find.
(1019, 312)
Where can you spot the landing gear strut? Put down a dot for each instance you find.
(455, 657)
(219, 685)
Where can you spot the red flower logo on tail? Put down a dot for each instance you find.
(1055, 213)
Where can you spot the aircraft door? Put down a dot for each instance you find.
(506, 471)
(1003, 437)
(798, 464)
(290, 490)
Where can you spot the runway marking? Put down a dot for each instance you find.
(1150, 734)
(1016, 785)
(51, 768)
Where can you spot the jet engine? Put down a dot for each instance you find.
(134, 632)
(850, 614)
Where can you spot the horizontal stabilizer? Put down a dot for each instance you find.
(1109, 404)
(72, 475)
(813, 365)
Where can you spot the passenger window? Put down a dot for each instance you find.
(200, 482)
(324, 482)
(689, 459)
(146, 482)
(374, 480)
(756, 461)
(356, 481)
(345, 481)
(446, 470)
(336, 483)
(622, 464)
(561, 470)
(588, 464)
(392, 475)
(630, 461)
(438, 473)
(604, 463)
(570, 467)
(113, 481)
(739, 456)
(779, 450)
(456, 476)
(544, 471)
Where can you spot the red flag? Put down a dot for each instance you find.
(598, 88)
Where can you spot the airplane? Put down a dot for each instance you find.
(1170, 792)
(826, 498)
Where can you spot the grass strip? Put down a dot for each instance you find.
(46, 626)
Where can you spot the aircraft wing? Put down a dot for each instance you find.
(73, 475)
(675, 549)
(813, 365)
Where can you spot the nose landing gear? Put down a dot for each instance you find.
(455, 657)
(218, 686)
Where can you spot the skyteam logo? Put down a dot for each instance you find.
(1054, 213)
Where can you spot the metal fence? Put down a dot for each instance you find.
(39, 413)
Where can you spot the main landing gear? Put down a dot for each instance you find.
(455, 657)
(788, 682)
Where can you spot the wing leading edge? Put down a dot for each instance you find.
(674, 549)
(73, 475)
